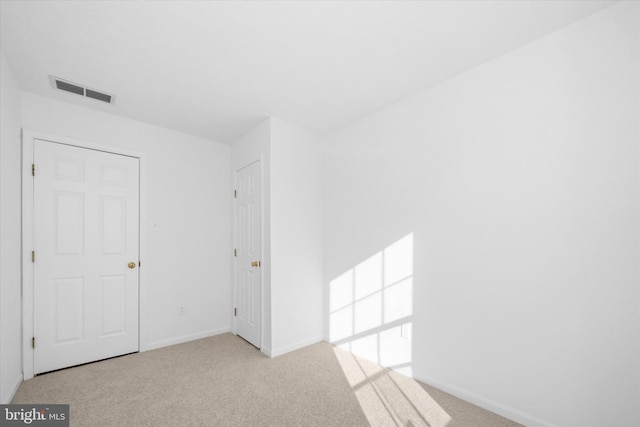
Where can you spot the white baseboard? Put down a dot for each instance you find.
(266, 351)
(12, 390)
(185, 338)
(292, 347)
(488, 404)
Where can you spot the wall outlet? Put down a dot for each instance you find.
(405, 330)
(182, 311)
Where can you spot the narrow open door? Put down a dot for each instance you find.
(248, 253)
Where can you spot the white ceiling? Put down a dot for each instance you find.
(216, 69)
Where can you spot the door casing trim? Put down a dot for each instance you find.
(28, 136)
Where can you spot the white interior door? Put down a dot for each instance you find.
(86, 241)
(249, 253)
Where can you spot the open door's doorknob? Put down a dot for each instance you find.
(255, 263)
(132, 265)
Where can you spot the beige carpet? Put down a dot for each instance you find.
(224, 381)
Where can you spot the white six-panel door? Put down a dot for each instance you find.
(249, 253)
(86, 241)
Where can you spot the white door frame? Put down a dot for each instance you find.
(265, 267)
(28, 137)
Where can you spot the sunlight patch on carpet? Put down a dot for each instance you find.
(389, 398)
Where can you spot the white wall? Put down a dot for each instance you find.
(10, 243)
(252, 147)
(296, 237)
(519, 180)
(188, 180)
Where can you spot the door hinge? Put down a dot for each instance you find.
(235, 252)
(33, 342)
(33, 256)
(33, 169)
(139, 263)
(235, 311)
(235, 194)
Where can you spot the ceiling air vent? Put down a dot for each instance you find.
(97, 95)
(69, 87)
(78, 89)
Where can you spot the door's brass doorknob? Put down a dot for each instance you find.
(132, 265)
(255, 263)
